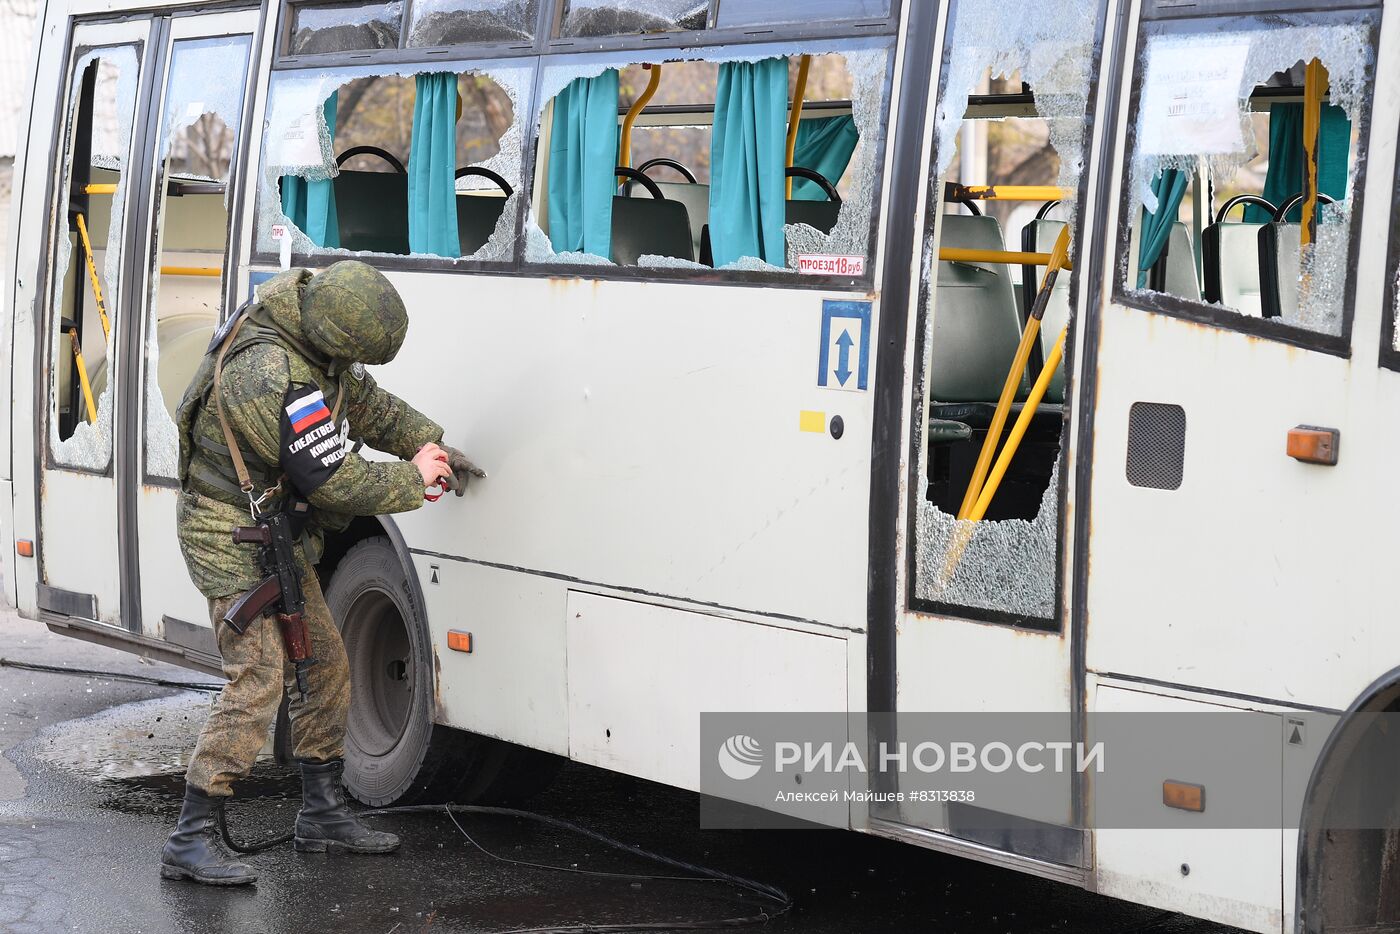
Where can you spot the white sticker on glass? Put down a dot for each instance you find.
(1190, 102)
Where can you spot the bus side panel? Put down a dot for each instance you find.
(7, 542)
(669, 439)
(28, 242)
(24, 121)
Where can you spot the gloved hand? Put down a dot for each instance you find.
(462, 470)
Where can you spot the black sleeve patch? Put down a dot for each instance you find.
(312, 444)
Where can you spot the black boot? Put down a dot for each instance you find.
(188, 854)
(325, 823)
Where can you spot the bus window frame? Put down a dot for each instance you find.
(409, 262)
(789, 278)
(550, 18)
(918, 413)
(1173, 306)
(1389, 356)
(234, 194)
(57, 215)
(518, 267)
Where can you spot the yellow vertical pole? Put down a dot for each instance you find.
(625, 147)
(1059, 256)
(92, 276)
(799, 95)
(1314, 87)
(967, 525)
(82, 374)
(1018, 431)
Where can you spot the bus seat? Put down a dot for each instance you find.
(1230, 259)
(975, 327)
(1279, 246)
(476, 220)
(695, 197)
(819, 214)
(372, 209)
(1039, 236)
(650, 227)
(1181, 262)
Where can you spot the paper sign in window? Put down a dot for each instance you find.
(1190, 100)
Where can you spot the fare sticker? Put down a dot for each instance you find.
(822, 264)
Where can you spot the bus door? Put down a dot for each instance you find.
(984, 627)
(1237, 346)
(87, 294)
(188, 247)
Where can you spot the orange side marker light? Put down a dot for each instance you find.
(1184, 796)
(24, 548)
(1313, 445)
(459, 641)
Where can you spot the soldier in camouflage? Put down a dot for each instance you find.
(297, 399)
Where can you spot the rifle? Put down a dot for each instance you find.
(279, 591)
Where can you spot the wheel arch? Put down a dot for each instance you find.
(338, 544)
(1331, 775)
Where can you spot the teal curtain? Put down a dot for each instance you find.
(311, 204)
(1285, 176)
(1170, 187)
(824, 145)
(432, 163)
(582, 156)
(748, 148)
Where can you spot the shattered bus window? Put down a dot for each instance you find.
(779, 12)
(1249, 251)
(402, 160)
(345, 27)
(629, 17)
(628, 151)
(199, 129)
(1006, 174)
(456, 22)
(85, 298)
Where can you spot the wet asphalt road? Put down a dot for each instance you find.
(91, 779)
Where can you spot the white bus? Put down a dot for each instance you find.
(726, 295)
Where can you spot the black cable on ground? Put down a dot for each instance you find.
(696, 873)
(111, 676)
(781, 900)
(237, 847)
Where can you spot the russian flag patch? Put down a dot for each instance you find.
(308, 410)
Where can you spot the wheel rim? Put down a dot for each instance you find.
(381, 672)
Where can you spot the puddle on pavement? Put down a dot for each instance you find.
(146, 738)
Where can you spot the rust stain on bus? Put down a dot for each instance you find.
(439, 711)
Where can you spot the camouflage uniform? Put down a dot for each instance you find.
(296, 395)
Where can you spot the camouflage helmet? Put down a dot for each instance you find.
(351, 313)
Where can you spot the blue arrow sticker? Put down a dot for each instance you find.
(845, 326)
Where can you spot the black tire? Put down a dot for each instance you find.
(394, 752)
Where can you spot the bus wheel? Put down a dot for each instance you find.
(394, 752)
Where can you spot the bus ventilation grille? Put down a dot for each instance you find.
(1156, 445)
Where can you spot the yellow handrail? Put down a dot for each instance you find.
(799, 95)
(625, 148)
(1314, 89)
(1058, 258)
(967, 524)
(957, 254)
(101, 189)
(92, 276)
(210, 271)
(82, 374)
(1018, 431)
(955, 192)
